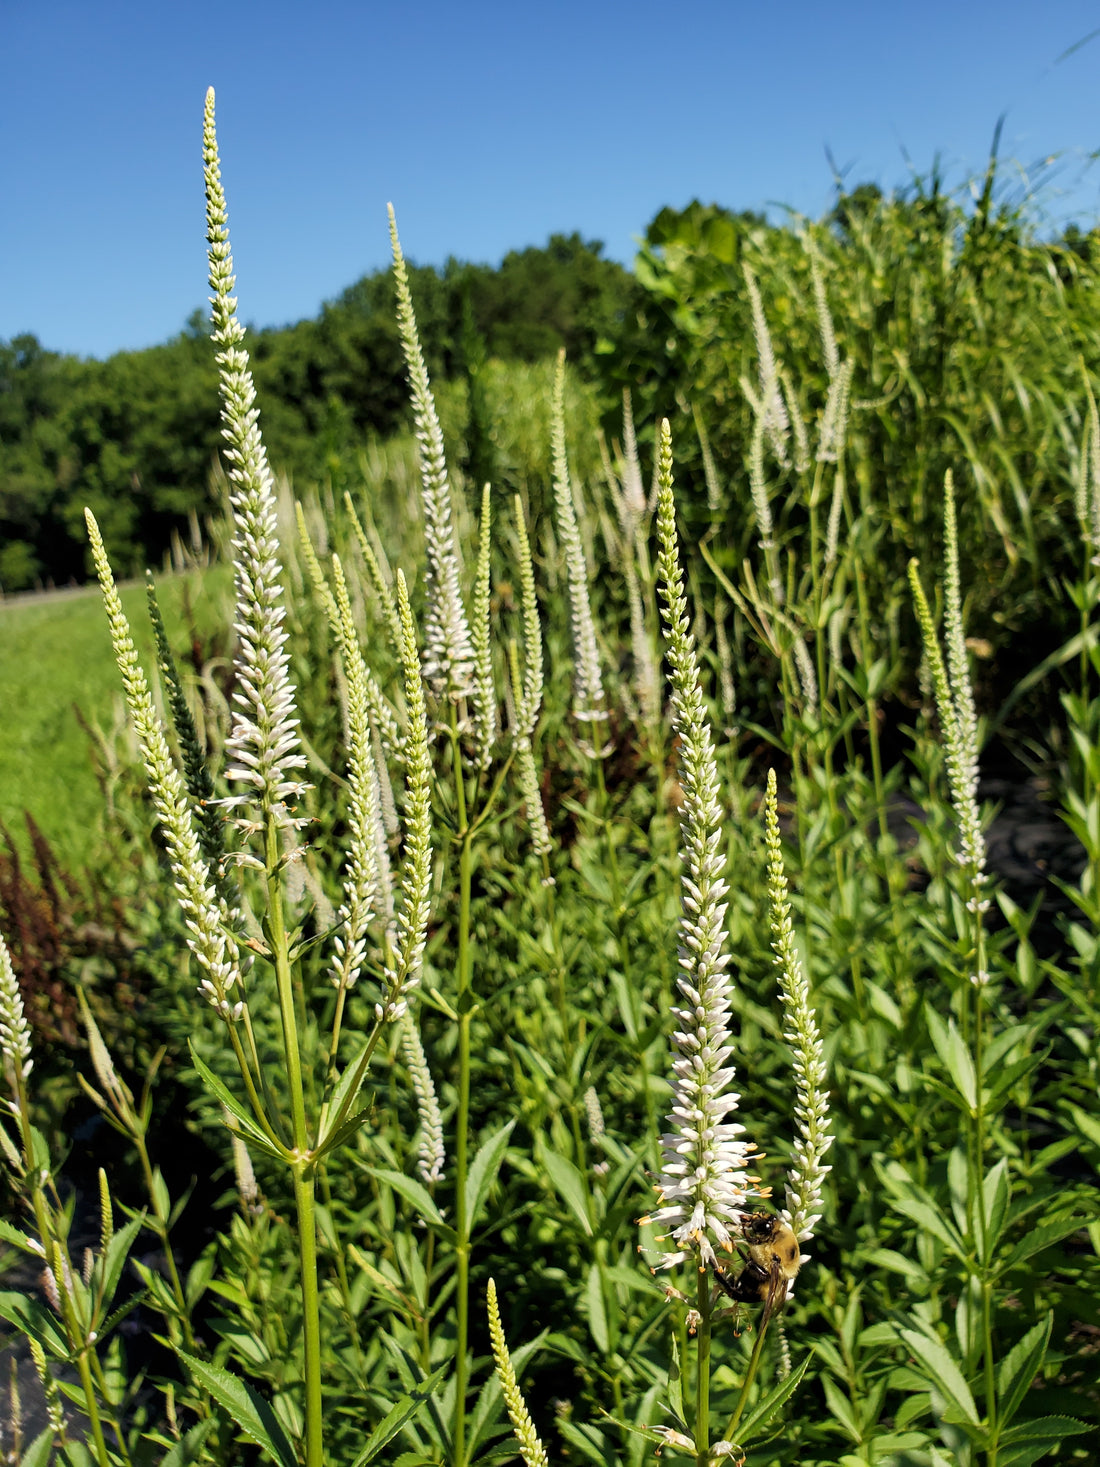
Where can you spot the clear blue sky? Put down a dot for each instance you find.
(490, 126)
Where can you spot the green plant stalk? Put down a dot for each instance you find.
(302, 1165)
(77, 1341)
(464, 1009)
(702, 1372)
(341, 1272)
(160, 1227)
(979, 1178)
(746, 1385)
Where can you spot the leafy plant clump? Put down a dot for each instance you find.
(601, 1064)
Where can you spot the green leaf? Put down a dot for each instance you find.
(570, 1185)
(995, 1198)
(1046, 1429)
(1088, 1125)
(956, 1057)
(246, 1121)
(929, 1217)
(483, 1172)
(115, 1258)
(1019, 1367)
(343, 1133)
(401, 1412)
(34, 1319)
(189, 1448)
(765, 1409)
(341, 1092)
(597, 1314)
(675, 1384)
(590, 1442)
(199, 1276)
(247, 1410)
(1032, 1440)
(898, 1263)
(1039, 1238)
(38, 1453)
(412, 1191)
(11, 1235)
(942, 1371)
(76, 1454)
(841, 1408)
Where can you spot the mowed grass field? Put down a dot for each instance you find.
(55, 658)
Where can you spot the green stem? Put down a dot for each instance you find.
(160, 1227)
(747, 1383)
(464, 1008)
(52, 1248)
(463, 1222)
(85, 1372)
(462, 1219)
(304, 1173)
(702, 1373)
(302, 1165)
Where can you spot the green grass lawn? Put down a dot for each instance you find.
(55, 652)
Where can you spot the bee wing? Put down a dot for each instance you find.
(774, 1293)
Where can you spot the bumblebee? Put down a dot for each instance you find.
(773, 1261)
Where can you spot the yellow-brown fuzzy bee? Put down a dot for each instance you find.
(773, 1261)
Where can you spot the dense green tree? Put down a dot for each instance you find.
(135, 436)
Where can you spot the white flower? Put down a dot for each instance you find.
(806, 1175)
(449, 651)
(15, 1032)
(263, 741)
(704, 1183)
(210, 924)
(588, 694)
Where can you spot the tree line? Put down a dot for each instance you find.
(972, 341)
(134, 437)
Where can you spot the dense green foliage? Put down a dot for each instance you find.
(970, 341)
(134, 437)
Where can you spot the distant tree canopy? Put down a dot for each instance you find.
(965, 333)
(134, 436)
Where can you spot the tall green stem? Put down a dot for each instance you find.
(702, 1373)
(51, 1246)
(464, 1009)
(302, 1164)
(746, 1384)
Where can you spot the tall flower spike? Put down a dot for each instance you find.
(361, 878)
(955, 702)
(406, 943)
(772, 408)
(704, 1181)
(382, 715)
(448, 651)
(263, 741)
(527, 692)
(209, 923)
(15, 1032)
(961, 754)
(200, 785)
(803, 1210)
(430, 1150)
(531, 1448)
(588, 695)
(485, 697)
